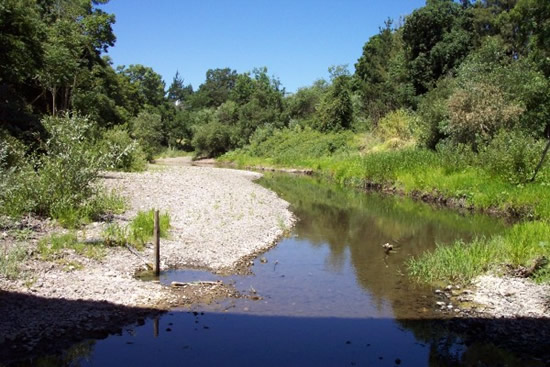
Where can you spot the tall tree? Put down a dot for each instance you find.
(178, 91)
(148, 85)
(437, 38)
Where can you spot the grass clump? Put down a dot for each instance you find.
(138, 232)
(518, 247)
(10, 260)
(54, 247)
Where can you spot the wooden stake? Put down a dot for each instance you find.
(156, 245)
(156, 327)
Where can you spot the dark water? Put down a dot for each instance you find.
(330, 295)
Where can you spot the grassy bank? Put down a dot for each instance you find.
(457, 177)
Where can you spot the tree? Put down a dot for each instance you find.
(382, 75)
(437, 38)
(178, 92)
(216, 89)
(148, 85)
(147, 129)
(336, 108)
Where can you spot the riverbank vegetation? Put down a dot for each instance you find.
(451, 105)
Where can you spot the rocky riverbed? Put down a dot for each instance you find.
(220, 219)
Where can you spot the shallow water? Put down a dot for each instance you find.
(330, 296)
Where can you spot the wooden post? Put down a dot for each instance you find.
(156, 327)
(156, 245)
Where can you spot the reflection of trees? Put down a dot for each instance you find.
(360, 223)
(71, 357)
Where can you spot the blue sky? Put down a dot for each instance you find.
(296, 40)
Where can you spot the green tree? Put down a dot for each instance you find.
(336, 108)
(437, 38)
(382, 74)
(147, 129)
(216, 89)
(148, 86)
(178, 92)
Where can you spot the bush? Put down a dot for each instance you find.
(478, 111)
(213, 139)
(68, 171)
(455, 157)
(512, 155)
(121, 152)
(147, 129)
(397, 124)
(290, 146)
(62, 182)
(433, 113)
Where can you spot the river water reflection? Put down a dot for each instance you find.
(330, 294)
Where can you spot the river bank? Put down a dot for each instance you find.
(507, 254)
(220, 219)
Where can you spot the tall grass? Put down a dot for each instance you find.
(138, 232)
(460, 262)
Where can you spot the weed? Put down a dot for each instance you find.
(9, 262)
(138, 232)
(53, 247)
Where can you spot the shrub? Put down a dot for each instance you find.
(68, 171)
(147, 129)
(455, 156)
(478, 111)
(397, 124)
(213, 139)
(512, 155)
(62, 182)
(433, 113)
(121, 152)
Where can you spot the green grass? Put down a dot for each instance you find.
(453, 175)
(102, 204)
(10, 260)
(138, 232)
(53, 247)
(460, 262)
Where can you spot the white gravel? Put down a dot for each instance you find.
(511, 297)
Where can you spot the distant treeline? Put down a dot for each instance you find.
(466, 70)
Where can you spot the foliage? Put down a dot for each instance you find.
(437, 38)
(519, 246)
(60, 183)
(478, 111)
(138, 232)
(147, 129)
(213, 138)
(297, 146)
(513, 156)
(121, 152)
(335, 108)
(398, 124)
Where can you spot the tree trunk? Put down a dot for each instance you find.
(539, 166)
(54, 92)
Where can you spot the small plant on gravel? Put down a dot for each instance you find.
(138, 232)
(10, 260)
(53, 247)
(141, 227)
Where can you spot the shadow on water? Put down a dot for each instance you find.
(227, 339)
(328, 296)
(51, 324)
